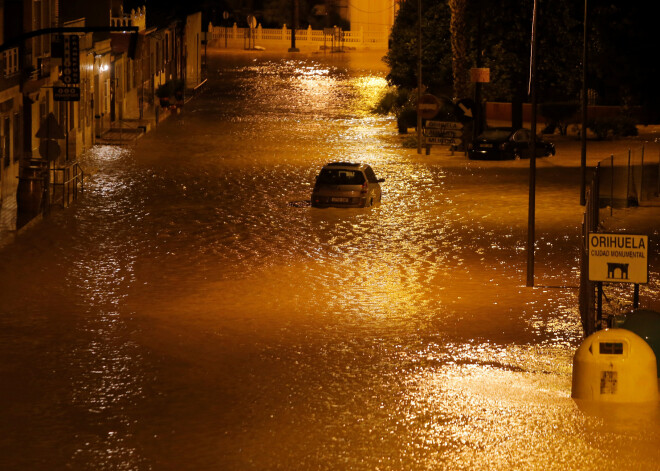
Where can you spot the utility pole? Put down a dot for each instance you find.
(531, 236)
(479, 114)
(294, 24)
(583, 131)
(419, 75)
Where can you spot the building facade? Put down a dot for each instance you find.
(60, 92)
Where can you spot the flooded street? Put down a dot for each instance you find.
(193, 312)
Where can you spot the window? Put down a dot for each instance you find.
(522, 136)
(6, 137)
(610, 348)
(496, 134)
(60, 106)
(17, 136)
(335, 176)
(5, 141)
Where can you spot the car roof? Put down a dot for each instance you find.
(352, 165)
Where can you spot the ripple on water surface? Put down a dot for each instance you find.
(193, 311)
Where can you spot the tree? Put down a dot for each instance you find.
(436, 50)
(449, 30)
(624, 43)
(506, 51)
(460, 59)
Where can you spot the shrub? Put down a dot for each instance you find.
(601, 127)
(614, 126)
(558, 115)
(392, 101)
(406, 118)
(409, 142)
(624, 126)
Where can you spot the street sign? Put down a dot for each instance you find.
(449, 125)
(71, 60)
(435, 132)
(50, 128)
(66, 93)
(465, 109)
(443, 141)
(480, 75)
(428, 106)
(618, 258)
(444, 133)
(49, 149)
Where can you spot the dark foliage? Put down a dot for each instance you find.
(623, 50)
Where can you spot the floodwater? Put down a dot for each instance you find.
(193, 312)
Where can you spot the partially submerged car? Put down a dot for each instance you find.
(501, 143)
(346, 185)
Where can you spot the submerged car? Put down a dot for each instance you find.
(502, 143)
(346, 185)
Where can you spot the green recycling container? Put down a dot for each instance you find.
(646, 324)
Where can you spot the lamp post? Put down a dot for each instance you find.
(531, 236)
(583, 132)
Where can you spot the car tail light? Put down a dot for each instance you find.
(365, 185)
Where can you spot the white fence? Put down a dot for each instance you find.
(233, 37)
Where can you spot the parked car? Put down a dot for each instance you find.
(502, 143)
(346, 185)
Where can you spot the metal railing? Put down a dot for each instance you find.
(629, 179)
(66, 182)
(620, 181)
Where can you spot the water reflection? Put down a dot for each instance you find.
(194, 313)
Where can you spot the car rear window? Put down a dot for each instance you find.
(340, 176)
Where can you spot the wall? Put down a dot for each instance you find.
(498, 111)
(193, 52)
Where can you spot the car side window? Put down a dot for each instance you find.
(521, 136)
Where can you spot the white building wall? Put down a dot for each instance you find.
(371, 16)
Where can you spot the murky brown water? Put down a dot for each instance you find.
(192, 312)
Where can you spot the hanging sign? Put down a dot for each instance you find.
(71, 60)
